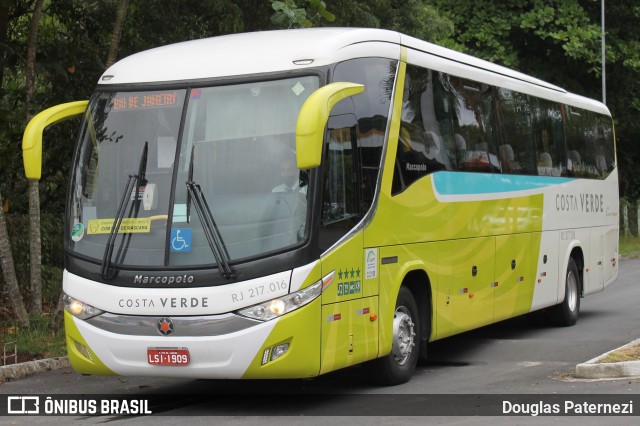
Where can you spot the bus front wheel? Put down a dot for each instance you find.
(398, 367)
(566, 313)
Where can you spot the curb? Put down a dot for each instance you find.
(608, 370)
(26, 369)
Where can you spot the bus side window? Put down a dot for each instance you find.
(589, 144)
(473, 121)
(548, 136)
(514, 124)
(353, 150)
(576, 142)
(425, 142)
(605, 158)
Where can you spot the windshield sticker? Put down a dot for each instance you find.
(127, 226)
(180, 240)
(298, 88)
(153, 100)
(77, 232)
(179, 213)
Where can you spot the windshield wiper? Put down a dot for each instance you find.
(211, 232)
(135, 181)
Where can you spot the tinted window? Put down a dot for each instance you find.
(473, 125)
(450, 123)
(548, 135)
(425, 142)
(515, 139)
(605, 156)
(353, 150)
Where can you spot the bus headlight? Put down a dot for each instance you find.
(274, 308)
(79, 309)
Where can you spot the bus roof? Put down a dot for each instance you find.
(283, 50)
(247, 53)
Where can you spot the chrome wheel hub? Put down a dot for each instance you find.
(403, 336)
(572, 292)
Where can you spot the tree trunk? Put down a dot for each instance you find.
(117, 32)
(31, 56)
(35, 249)
(4, 25)
(9, 273)
(57, 315)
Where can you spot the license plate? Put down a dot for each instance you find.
(168, 356)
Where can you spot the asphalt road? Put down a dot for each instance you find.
(475, 369)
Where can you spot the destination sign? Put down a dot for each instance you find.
(144, 101)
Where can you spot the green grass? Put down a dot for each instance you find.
(627, 354)
(629, 245)
(42, 339)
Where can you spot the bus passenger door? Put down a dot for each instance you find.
(514, 281)
(469, 287)
(349, 336)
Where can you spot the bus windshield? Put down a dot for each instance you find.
(234, 146)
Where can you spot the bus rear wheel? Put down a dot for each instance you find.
(398, 367)
(566, 313)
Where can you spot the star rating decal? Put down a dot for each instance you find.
(349, 281)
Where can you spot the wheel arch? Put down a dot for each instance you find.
(418, 282)
(576, 253)
(578, 256)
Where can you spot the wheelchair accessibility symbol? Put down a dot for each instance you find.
(181, 240)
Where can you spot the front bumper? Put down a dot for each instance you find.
(224, 346)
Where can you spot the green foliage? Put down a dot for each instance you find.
(43, 338)
(629, 245)
(52, 254)
(412, 17)
(560, 41)
(507, 33)
(289, 15)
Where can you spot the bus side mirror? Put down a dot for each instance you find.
(32, 138)
(313, 118)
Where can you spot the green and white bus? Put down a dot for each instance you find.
(285, 204)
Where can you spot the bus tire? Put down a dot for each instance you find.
(398, 367)
(566, 313)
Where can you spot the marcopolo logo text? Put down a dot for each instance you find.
(163, 279)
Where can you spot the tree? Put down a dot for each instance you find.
(35, 242)
(6, 256)
(623, 85)
(117, 32)
(559, 41)
(9, 272)
(289, 15)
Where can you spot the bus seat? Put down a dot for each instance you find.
(601, 163)
(545, 160)
(574, 156)
(573, 160)
(432, 144)
(507, 158)
(461, 150)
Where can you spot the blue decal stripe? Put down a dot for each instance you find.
(460, 183)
